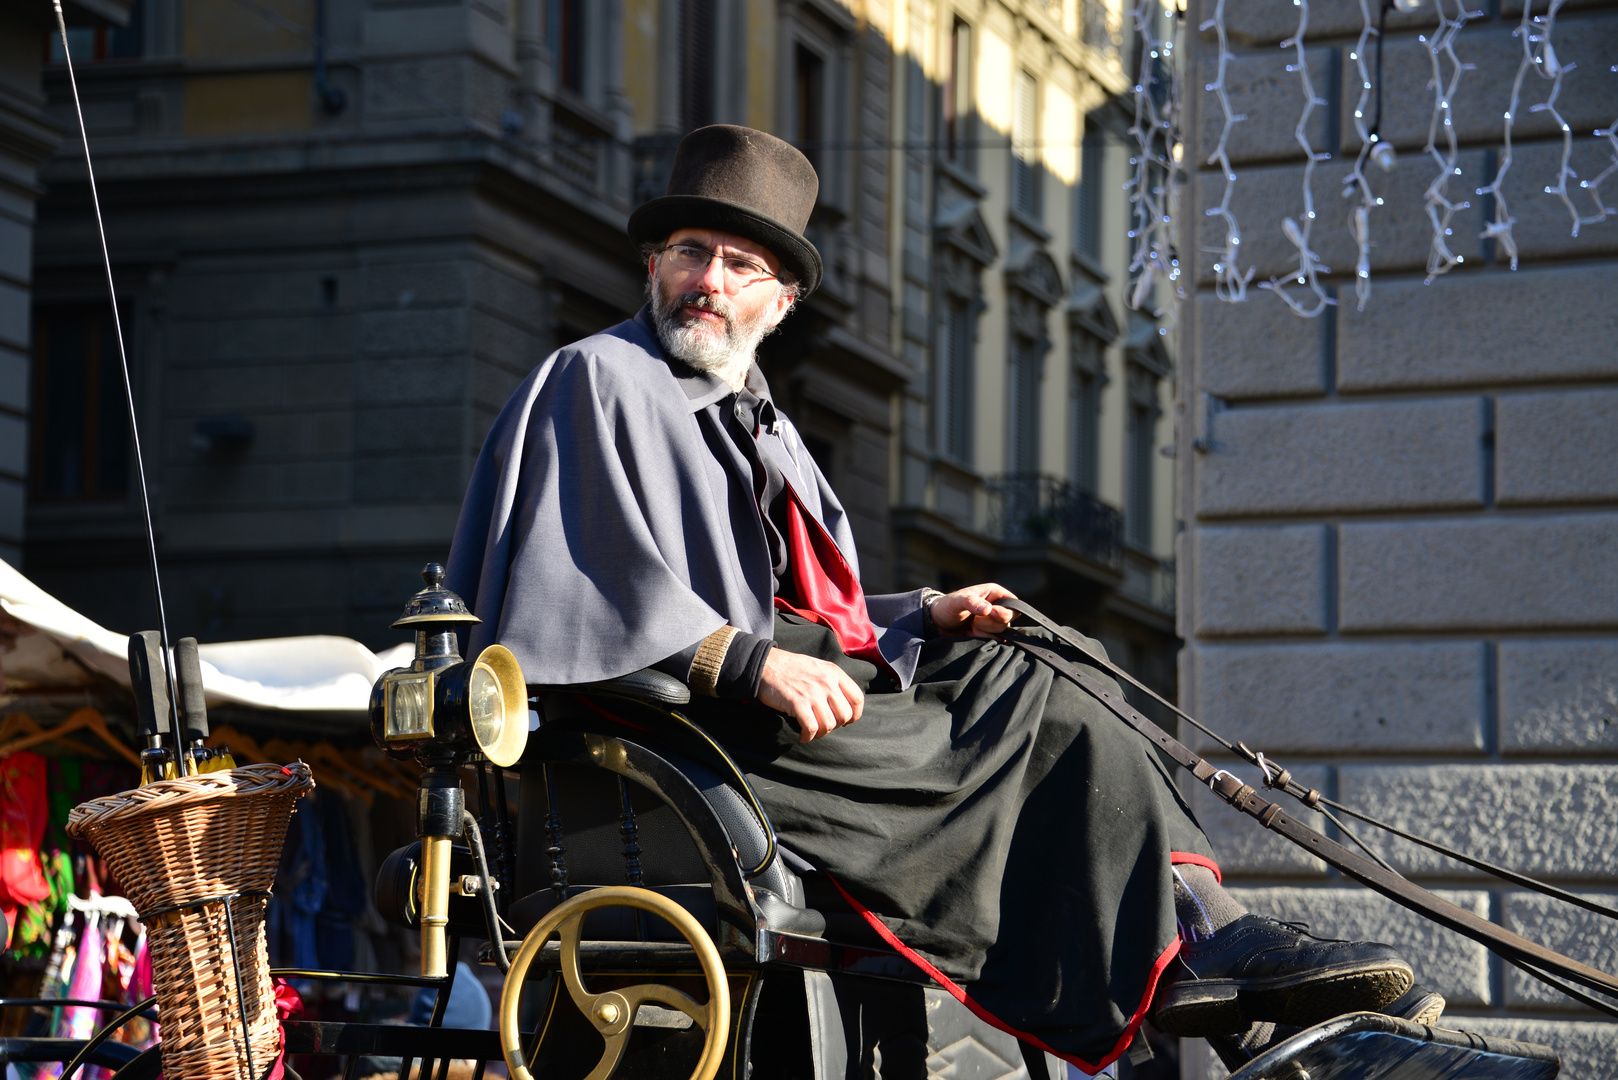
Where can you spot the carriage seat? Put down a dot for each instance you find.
(591, 814)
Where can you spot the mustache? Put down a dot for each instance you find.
(716, 304)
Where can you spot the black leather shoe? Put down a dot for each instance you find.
(1420, 1004)
(1257, 969)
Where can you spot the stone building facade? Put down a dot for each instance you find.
(342, 233)
(1027, 437)
(28, 137)
(344, 229)
(1398, 566)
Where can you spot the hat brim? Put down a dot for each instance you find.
(652, 222)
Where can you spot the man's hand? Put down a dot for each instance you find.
(972, 611)
(818, 694)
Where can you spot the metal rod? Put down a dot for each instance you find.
(182, 760)
(109, 1030)
(448, 987)
(50, 1003)
(354, 976)
(502, 838)
(435, 856)
(241, 997)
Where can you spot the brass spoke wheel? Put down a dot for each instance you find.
(612, 1014)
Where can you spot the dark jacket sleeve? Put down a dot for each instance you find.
(738, 676)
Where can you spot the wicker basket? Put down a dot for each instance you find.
(197, 857)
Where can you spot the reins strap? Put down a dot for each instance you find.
(1245, 797)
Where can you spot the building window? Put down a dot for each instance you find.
(1087, 212)
(1086, 425)
(809, 93)
(697, 58)
(568, 23)
(1142, 446)
(80, 421)
(1025, 170)
(954, 377)
(100, 42)
(1022, 404)
(956, 121)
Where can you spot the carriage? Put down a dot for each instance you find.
(647, 920)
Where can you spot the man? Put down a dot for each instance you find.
(641, 503)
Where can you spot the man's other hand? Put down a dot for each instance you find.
(818, 694)
(972, 610)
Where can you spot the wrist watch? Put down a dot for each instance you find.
(928, 627)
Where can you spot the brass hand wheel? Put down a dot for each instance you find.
(613, 1013)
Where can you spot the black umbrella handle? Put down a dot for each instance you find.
(193, 708)
(151, 687)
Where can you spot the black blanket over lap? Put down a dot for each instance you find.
(1000, 821)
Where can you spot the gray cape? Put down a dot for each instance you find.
(608, 523)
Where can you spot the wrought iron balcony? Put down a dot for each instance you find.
(1029, 508)
(1099, 28)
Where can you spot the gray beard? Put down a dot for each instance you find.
(727, 355)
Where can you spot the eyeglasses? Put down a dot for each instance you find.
(739, 272)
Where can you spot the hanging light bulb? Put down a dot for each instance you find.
(1386, 158)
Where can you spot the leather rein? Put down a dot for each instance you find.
(1535, 959)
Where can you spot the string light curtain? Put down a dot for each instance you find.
(1356, 183)
(1309, 268)
(1156, 132)
(1230, 282)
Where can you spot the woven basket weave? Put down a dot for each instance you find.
(180, 848)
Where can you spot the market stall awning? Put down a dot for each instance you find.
(46, 645)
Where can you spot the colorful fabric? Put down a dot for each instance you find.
(22, 831)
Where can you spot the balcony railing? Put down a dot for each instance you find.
(1028, 508)
(1099, 28)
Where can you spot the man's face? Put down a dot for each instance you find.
(704, 316)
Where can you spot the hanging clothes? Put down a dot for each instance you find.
(22, 830)
(345, 889)
(33, 932)
(300, 890)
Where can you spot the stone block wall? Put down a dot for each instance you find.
(1400, 560)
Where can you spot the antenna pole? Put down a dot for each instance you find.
(182, 758)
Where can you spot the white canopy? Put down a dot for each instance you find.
(316, 673)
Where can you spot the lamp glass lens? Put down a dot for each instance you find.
(487, 705)
(410, 706)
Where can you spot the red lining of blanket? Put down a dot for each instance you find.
(1179, 858)
(955, 990)
(825, 584)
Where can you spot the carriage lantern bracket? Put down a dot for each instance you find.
(441, 710)
(442, 707)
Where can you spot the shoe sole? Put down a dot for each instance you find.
(1428, 1011)
(1196, 1009)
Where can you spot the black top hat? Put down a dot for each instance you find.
(741, 181)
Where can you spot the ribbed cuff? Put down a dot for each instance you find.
(710, 661)
(739, 671)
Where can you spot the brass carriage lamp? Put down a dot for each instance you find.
(441, 710)
(443, 706)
